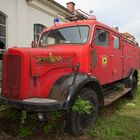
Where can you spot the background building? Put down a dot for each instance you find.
(21, 21)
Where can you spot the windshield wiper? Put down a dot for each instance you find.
(80, 35)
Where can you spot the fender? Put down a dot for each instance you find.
(133, 72)
(64, 89)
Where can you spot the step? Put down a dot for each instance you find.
(113, 88)
(115, 95)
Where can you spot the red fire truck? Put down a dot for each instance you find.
(83, 58)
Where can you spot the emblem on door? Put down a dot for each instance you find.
(104, 60)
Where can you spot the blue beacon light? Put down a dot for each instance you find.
(56, 21)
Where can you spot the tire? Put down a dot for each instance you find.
(78, 123)
(133, 84)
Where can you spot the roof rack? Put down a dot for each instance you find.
(82, 13)
(78, 15)
(128, 36)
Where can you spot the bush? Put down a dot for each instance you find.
(82, 106)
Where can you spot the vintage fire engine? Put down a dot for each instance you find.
(83, 58)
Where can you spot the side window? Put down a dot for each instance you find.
(2, 31)
(101, 38)
(116, 42)
(37, 30)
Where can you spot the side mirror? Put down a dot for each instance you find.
(33, 44)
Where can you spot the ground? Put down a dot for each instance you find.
(119, 121)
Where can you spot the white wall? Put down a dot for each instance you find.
(21, 17)
(21, 23)
(37, 16)
(10, 10)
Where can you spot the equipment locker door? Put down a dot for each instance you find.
(100, 55)
(116, 57)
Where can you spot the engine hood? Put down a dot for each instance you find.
(55, 49)
(37, 69)
(54, 57)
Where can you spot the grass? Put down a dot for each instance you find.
(119, 121)
(24, 132)
(121, 124)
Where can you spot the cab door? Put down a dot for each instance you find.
(100, 55)
(116, 57)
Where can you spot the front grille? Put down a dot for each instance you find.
(13, 76)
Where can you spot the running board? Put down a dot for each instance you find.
(115, 95)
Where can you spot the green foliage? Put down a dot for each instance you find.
(139, 78)
(121, 124)
(9, 112)
(47, 128)
(116, 127)
(82, 106)
(23, 118)
(12, 114)
(24, 132)
(54, 115)
(3, 108)
(56, 123)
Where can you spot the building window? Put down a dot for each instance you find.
(116, 42)
(37, 30)
(101, 38)
(2, 31)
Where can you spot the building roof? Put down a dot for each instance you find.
(60, 6)
(64, 12)
(54, 3)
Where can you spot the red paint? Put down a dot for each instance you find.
(37, 78)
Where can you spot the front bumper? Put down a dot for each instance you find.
(34, 104)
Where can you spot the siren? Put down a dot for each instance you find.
(91, 16)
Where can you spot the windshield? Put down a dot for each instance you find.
(68, 35)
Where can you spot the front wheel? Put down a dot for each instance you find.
(77, 122)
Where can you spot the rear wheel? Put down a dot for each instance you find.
(78, 123)
(133, 86)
